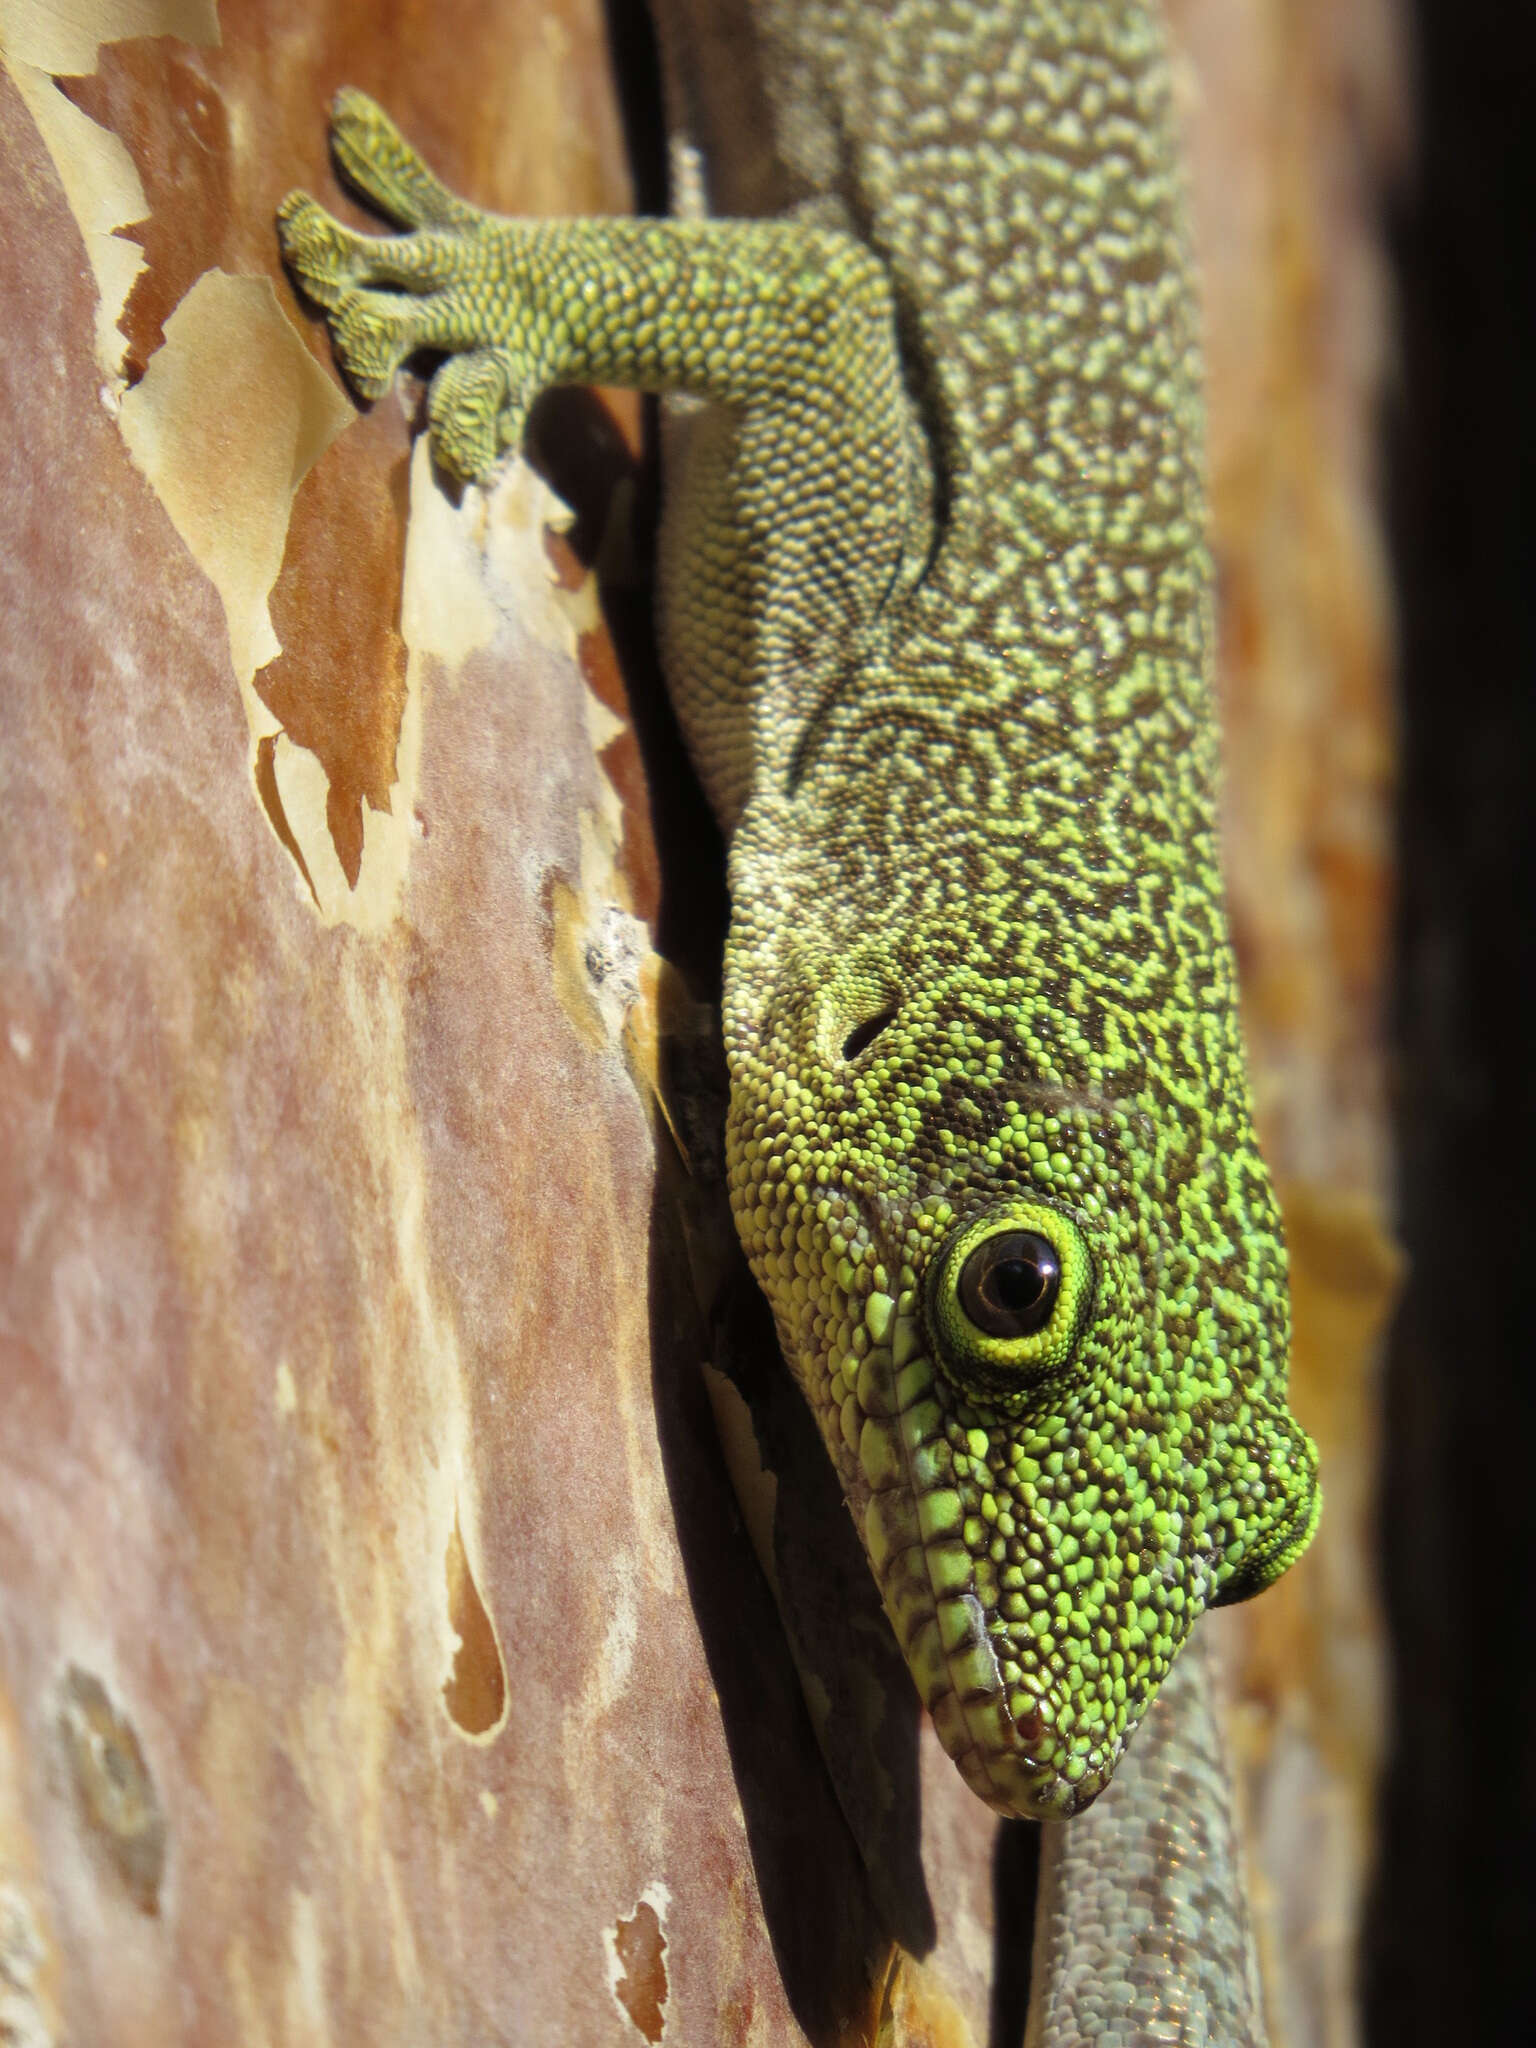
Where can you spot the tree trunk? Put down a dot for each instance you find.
(383, 1655)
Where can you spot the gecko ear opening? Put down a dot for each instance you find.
(1273, 1531)
(862, 1036)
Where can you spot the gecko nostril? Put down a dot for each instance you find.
(1029, 1727)
(862, 1036)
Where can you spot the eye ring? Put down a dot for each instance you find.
(1007, 1298)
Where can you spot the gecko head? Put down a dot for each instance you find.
(1079, 1489)
(1046, 1344)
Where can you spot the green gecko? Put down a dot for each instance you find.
(936, 619)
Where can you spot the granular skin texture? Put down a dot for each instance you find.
(937, 622)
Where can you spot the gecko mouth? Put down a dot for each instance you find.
(1001, 1743)
(999, 1735)
(998, 1751)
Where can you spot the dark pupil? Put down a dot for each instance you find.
(1009, 1285)
(1017, 1284)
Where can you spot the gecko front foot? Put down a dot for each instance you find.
(448, 284)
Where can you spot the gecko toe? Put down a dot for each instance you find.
(379, 163)
(321, 253)
(477, 409)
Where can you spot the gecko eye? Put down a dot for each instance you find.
(1009, 1284)
(1007, 1298)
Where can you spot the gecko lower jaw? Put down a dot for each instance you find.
(1019, 1790)
(1009, 1754)
(1002, 1737)
(995, 1746)
(994, 1756)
